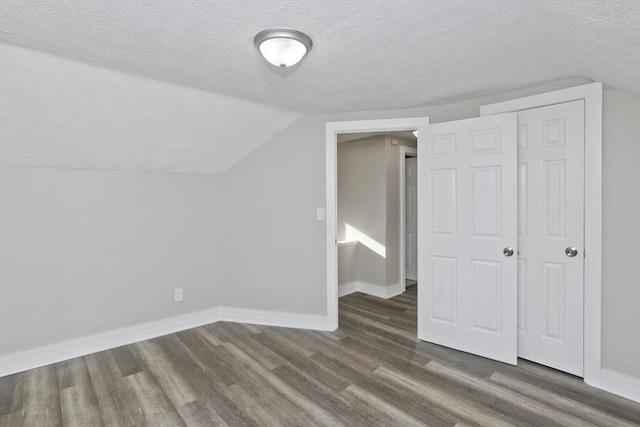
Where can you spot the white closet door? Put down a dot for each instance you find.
(467, 228)
(550, 224)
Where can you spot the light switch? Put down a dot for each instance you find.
(320, 214)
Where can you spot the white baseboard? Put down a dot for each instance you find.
(347, 288)
(274, 318)
(395, 290)
(41, 356)
(379, 291)
(620, 384)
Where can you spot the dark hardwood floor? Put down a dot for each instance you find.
(371, 372)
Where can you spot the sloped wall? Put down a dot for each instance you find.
(56, 112)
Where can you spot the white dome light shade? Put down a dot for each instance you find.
(283, 52)
(283, 47)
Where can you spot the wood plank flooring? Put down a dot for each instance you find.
(371, 372)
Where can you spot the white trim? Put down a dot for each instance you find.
(620, 384)
(274, 318)
(347, 289)
(592, 96)
(404, 153)
(41, 356)
(332, 131)
(380, 291)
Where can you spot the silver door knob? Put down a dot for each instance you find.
(507, 251)
(571, 252)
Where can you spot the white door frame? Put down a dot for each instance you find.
(404, 153)
(332, 131)
(592, 96)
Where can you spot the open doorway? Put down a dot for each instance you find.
(385, 257)
(376, 226)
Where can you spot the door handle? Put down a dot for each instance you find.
(571, 252)
(507, 251)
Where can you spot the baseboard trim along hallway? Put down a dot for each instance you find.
(620, 384)
(380, 291)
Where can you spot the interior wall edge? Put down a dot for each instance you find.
(380, 291)
(619, 384)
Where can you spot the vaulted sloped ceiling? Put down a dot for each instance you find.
(367, 54)
(61, 113)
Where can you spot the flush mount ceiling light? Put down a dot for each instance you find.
(283, 47)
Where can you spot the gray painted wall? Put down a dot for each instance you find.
(347, 271)
(621, 233)
(273, 250)
(362, 203)
(89, 251)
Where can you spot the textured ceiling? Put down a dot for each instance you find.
(367, 54)
(57, 112)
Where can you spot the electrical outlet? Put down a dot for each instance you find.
(177, 295)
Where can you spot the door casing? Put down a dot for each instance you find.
(405, 152)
